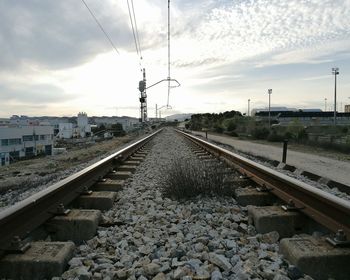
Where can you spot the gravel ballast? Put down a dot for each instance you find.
(154, 237)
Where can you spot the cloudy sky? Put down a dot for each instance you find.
(54, 59)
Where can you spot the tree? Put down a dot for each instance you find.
(117, 129)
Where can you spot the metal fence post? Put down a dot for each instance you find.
(285, 145)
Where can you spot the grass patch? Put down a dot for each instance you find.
(186, 178)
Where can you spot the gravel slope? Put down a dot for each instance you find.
(25, 178)
(330, 168)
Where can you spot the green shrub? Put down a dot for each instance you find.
(231, 126)
(288, 135)
(302, 135)
(260, 133)
(231, 133)
(218, 129)
(273, 137)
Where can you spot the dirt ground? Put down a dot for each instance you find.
(28, 173)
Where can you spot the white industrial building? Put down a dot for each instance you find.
(65, 130)
(84, 128)
(128, 123)
(24, 141)
(81, 130)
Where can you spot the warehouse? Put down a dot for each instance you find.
(24, 142)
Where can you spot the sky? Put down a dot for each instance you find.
(55, 61)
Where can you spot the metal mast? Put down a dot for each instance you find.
(335, 72)
(269, 91)
(168, 52)
(143, 98)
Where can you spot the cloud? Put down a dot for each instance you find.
(53, 52)
(247, 29)
(33, 94)
(316, 78)
(57, 34)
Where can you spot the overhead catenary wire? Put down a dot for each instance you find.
(136, 29)
(133, 29)
(101, 27)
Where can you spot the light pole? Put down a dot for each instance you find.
(325, 104)
(335, 72)
(248, 107)
(269, 91)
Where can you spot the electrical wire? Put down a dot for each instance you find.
(137, 32)
(101, 27)
(133, 29)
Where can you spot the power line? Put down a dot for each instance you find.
(137, 32)
(133, 30)
(101, 27)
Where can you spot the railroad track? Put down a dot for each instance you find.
(22, 224)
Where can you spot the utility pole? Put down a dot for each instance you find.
(168, 53)
(156, 111)
(143, 98)
(248, 107)
(269, 91)
(325, 104)
(335, 72)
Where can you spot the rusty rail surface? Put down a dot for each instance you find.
(328, 210)
(27, 215)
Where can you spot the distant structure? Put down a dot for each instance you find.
(128, 123)
(84, 128)
(272, 109)
(305, 117)
(65, 130)
(4, 122)
(80, 130)
(19, 141)
(22, 120)
(347, 108)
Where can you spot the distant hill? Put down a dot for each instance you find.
(179, 117)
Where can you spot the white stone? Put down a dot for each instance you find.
(220, 260)
(152, 268)
(179, 273)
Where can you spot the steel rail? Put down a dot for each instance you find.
(25, 216)
(327, 209)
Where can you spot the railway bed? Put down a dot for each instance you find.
(137, 233)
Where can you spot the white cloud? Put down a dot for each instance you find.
(219, 51)
(247, 29)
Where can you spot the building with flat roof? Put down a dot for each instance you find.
(24, 141)
(69, 130)
(306, 118)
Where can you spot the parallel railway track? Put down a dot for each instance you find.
(326, 209)
(30, 213)
(26, 216)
